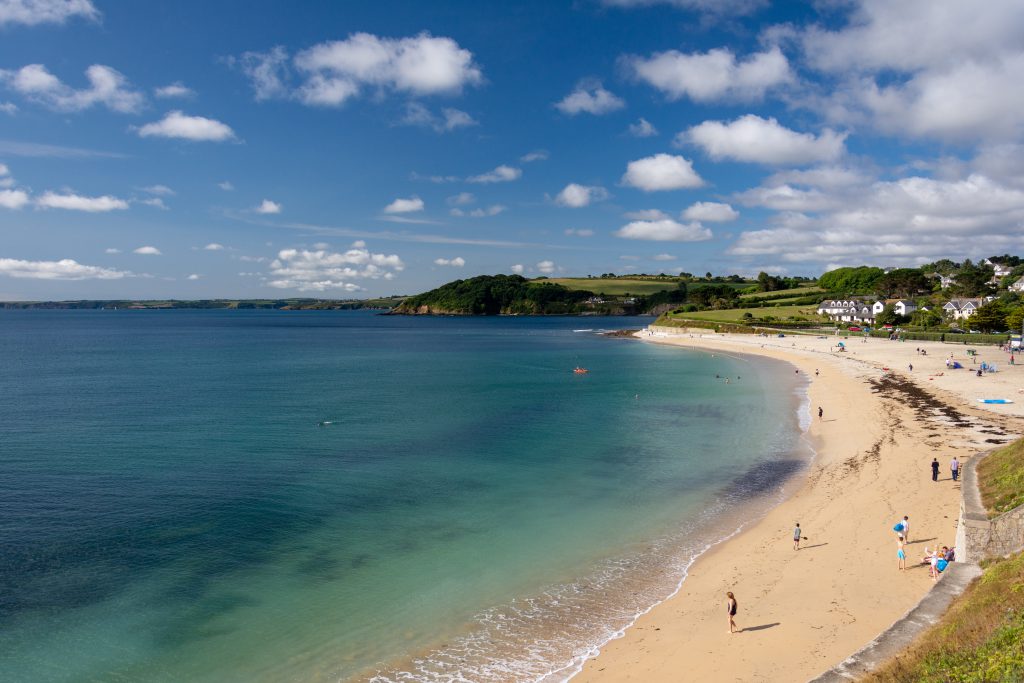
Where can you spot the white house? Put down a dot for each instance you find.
(959, 309)
(899, 306)
(946, 281)
(1018, 286)
(1000, 269)
(847, 310)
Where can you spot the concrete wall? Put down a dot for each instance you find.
(977, 536)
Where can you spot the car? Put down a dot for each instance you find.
(854, 328)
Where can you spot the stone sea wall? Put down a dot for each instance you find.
(977, 536)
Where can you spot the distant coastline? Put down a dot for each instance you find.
(386, 303)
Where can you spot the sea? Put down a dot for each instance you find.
(249, 495)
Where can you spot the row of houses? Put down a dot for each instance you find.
(855, 310)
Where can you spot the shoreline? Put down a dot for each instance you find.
(871, 467)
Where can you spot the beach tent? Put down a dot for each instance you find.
(956, 364)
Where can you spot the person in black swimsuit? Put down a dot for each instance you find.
(730, 607)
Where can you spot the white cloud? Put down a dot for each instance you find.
(456, 262)
(13, 199)
(661, 172)
(155, 202)
(107, 87)
(410, 205)
(321, 270)
(546, 267)
(331, 73)
(713, 212)
(111, 250)
(517, 269)
(461, 199)
(268, 207)
(213, 246)
(664, 257)
(197, 128)
(579, 232)
(535, 155)
(450, 119)
(501, 174)
(483, 212)
(645, 215)
(159, 190)
(642, 129)
(754, 139)
(577, 196)
(590, 97)
(65, 269)
(177, 89)
(147, 251)
(193, 276)
(33, 12)
(9, 108)
(226, 186)
(711, 76)
(74, 202)
(664, 230)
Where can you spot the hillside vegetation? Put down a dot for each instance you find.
(496, 295)
(1001, 479)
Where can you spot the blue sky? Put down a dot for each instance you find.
(267, 149)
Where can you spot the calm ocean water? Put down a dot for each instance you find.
(171, 509)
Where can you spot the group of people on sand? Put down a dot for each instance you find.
(730, 600)
(937, 560)
(954, 469)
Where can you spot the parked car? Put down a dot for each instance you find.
(854, 328)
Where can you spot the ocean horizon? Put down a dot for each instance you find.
(334, 496)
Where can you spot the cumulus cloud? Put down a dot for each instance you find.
(107, 87)
(9, 108)
(712, 212)
(13, 199)
(661, 172)
(159, 190)
(177, 89)
(331, 73)
(579, 232)
(448, 120)
(501, 174)
(535, 155)
(74, 202)
(577, 196)
(213, 246)
(664, 257)
(645, 215)
(147, 251)
(754, 139)
(482, 212)
(590, 97)
(456, 262)
(33, 12)
(517, 269)
(65, 269)
(461, 199)
(711, 76)
(194, 276)
(226, 186)
(321, 270)
(642, 129)
(196, 128)
(664, 230)
(546, 267)
(155, 202)
(410, 205)
(269, 207)
(111, 250)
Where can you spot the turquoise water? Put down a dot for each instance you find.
(171, 509)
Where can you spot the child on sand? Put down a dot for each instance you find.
(901, 556)
(730, 607)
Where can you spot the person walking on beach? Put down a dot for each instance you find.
(796, 537)
(901, 555)
(954, 468)
(730, 607)
(821, 413)
(935, 469)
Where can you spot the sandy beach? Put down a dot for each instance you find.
(803, 611)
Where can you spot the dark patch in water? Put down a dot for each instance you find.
(763, 477)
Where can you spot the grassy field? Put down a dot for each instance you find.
(736, 314)
(1001, 479)
(621, 286)
(977, 640)
(794, 293)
